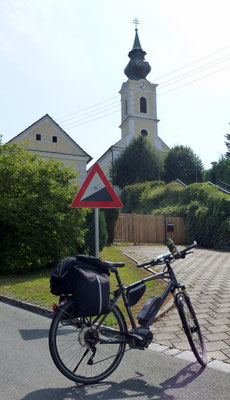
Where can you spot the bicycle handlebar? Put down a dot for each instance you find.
(167, 257)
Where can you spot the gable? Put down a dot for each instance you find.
(46, 135)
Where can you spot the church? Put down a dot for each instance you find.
(138, 117)
(138, 107)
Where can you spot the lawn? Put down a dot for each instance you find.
(34, 287)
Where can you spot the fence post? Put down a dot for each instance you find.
(134, 228)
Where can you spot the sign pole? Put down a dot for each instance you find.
(97, 232)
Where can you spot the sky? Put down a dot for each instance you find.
(67, 58)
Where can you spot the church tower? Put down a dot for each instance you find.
(138, 107)
(138, 98)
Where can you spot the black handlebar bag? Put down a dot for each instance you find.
(91, 292)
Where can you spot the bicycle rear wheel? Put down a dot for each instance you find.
(87, 350)
(191, 328)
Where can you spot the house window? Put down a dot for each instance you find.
(144, 132)
(38, 136)
(54, 139)
(143, 105)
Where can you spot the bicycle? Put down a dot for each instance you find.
(88, 349)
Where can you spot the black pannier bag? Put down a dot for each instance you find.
(61, 280)
(91, 292)
(86, 277)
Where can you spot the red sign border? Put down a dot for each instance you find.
(96, 204)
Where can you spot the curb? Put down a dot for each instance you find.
(45, 312)
(188, 355)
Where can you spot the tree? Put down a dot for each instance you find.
(221, 171)
(182, 163)
(37, 224)
(227, 136)
(139, 162)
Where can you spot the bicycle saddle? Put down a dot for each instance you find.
(110, 264)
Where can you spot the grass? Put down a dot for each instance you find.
(34, 287)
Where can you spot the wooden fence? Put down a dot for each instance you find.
(139, 228)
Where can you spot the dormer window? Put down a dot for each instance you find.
(143, 105)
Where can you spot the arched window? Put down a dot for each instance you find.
(144, 132)
(126, 107)
(143, 105)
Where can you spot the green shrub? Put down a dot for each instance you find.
(206, 211)
(160, 197)
(37, 224)
(131, 194)
(111, 217)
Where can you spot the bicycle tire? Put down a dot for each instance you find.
(70, 346)
(191, 327)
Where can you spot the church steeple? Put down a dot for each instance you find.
(137, 67)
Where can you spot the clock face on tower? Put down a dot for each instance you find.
(142, 85)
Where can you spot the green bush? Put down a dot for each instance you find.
(160, 197)
(131, 194)
(111, 217)
(209, 222)
(37, 224)
(206, 211)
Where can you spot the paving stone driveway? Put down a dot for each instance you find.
(206, 274)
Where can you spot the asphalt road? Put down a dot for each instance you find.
(28, 373)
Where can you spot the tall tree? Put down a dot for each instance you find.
(182, 163)
(139, 162)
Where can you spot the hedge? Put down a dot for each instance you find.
(206, 210)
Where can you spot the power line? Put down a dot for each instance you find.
(188, 83)
(94, 113)
(193, 62)
(86, 108)
(161, 94)
(167, 74)
(75, 119)
(91, 113)
(195, 71)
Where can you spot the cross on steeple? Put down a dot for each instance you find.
(136, 22)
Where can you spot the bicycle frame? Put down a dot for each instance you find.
(171, 286)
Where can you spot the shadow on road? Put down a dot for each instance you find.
(34, 334)
(133, 388)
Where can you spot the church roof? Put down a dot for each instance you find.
(137, 67)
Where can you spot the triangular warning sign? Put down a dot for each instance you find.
(96, 192)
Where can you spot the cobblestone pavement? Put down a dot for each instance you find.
(206, 274)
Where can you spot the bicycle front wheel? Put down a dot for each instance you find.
(87, 350)
(191, 328)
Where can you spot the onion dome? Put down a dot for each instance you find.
(137, 67)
